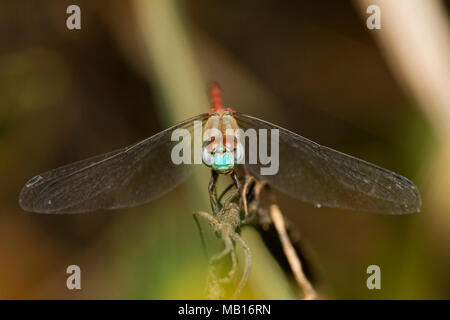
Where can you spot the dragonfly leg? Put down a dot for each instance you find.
(224, 192)
(248, 264)
(256, 214)
(236, 180)
(212, 192)
(229, 187)
(247, 181)
(235, 193)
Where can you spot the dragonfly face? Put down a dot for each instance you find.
(221, 146)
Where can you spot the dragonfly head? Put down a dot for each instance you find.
(223, 160)
(222, 157)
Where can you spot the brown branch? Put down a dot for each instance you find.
(291, 254)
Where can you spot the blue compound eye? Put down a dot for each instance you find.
(239, 155)
(223, 161)
(207, 157)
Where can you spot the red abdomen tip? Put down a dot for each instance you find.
(215, 96)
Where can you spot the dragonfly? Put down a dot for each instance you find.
(144, 171)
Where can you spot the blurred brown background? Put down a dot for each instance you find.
(137, 67)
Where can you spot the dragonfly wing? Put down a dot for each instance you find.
(121, 178)
(326, 177)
